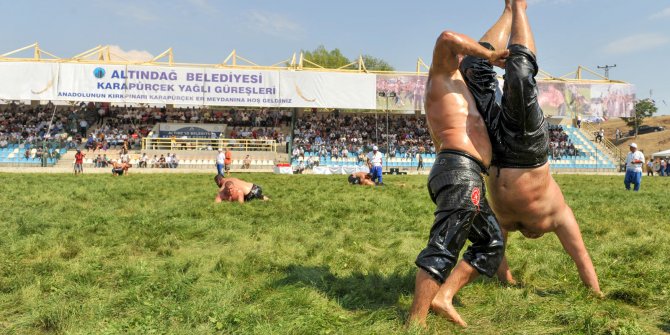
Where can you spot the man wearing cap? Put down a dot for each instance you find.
(634, 162)
(78, 162)
(375, 162)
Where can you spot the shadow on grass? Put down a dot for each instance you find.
(357, 291)
(665, 327)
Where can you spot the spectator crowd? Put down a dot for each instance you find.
(560, 145)
(345, 135)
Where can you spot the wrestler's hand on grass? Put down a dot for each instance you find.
(599, 294)
(498, 57)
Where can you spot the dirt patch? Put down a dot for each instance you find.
(647, 143)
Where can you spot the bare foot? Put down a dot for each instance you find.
(446, 309)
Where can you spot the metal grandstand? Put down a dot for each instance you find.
(103, 54)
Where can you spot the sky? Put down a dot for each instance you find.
(634, 35)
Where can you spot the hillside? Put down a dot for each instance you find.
(648, 143)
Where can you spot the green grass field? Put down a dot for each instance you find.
(153, 254)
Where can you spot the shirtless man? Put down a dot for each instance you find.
(233, 189)
(361, 178)
(118, 168)
(524, 196)
(456, 182)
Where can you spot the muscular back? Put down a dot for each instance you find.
(453, 119)
(452, 116)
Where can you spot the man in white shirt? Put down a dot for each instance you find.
(375, 163)
(634, 162)
(220, 161)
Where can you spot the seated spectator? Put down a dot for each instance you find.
(143, 160)
(98, 161)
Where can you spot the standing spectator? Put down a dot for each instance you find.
(375, 163)
(83, 126)
(664, 166)
(650, 168)
(419, 158)
(228, 161)
(617, 134)
(246, 163)
(220, 160)
(634, 162)
(78, 162)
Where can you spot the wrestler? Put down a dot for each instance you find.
(234, 189)
(456, 182)
(118, 168)
(523, 193)
(361, 178)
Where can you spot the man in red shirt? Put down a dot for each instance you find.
(78, 162)
(228, 161)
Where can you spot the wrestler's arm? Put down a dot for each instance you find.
(571, 239)
(218, 198)
(450, 44)
(240, 197)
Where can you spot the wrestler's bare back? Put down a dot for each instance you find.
(239, 189)
(453, 119)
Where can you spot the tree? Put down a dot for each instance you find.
(334, 59)
(329, 59)
(376, 64)
(643, 109)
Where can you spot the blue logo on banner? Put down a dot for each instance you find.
(99, 72)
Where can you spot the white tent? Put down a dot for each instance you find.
(661, 154)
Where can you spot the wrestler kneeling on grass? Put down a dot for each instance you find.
(234, 189)
(119, 169)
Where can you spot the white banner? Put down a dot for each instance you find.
(241, 88)
(205, 86)
(28, 81)
(79, 82)
(328, 90)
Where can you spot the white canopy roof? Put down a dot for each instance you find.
(661, 154)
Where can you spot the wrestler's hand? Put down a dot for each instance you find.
(498, 58)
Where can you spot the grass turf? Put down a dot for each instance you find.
(154, 254)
